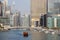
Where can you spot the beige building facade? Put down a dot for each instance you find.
(38, 7)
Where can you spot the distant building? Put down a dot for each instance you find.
(11, 20)
(8, 11)
(25, 20)
(5, 5)
(15, 19)
(29, 19)
(18, 21)
(5, 20)
(1, 8)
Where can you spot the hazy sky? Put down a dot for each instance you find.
(21, 5)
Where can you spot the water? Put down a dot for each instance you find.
(14, 35)
(17, 34)
(45, 36)
(53, 36)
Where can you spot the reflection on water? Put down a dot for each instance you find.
(52, 36)
(45, 36)
(14, 35)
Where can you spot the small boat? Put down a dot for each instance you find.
(25, 34)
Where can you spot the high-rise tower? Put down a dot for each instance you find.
(5, 5)
(5, 2)
(38, 7)
(1, 13)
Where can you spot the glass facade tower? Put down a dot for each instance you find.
(53, 16)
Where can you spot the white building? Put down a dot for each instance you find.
(11, 20)
(15, 19)
(25, 20)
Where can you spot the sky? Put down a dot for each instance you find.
(22, 5)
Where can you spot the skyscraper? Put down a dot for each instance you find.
(25, 20)
(38, 7)
(6, 2)
(53, 16)
(1, 5)
(3, 20)
(17, 19)
(5, 5)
